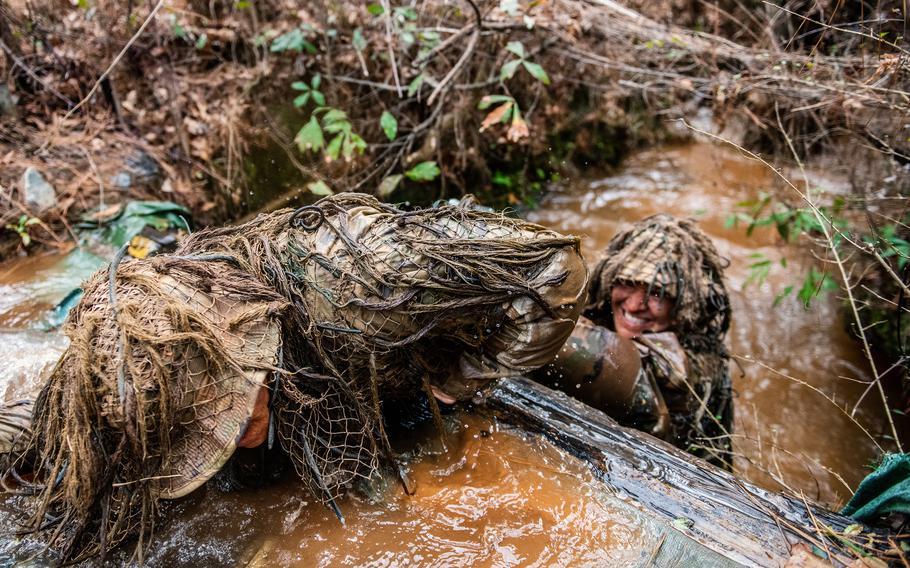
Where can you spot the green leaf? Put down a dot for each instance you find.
(415, 85)
(290, 41)
(517, 48)
(32, 221)
(318, 98)
(508, 70)
(388, 185)
(489, 100)
(316, 81)
(201, 41)
(375, 9)
(424, 171)
(302, 100)
(243, 4)
(333, 150)
(389, 125)
(537, 72)
(352, 143)
(310, 136)
(406, 13)
(358, 41)
(815, 283)
(309, 47)
(783, 294)
(26, 238)
(334, 115)
(360, 144)
(300, 86)
(319, 188)
(337, 126)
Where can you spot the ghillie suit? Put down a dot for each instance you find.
(387, 302)
(151, 396)
(673, 257)
(329, 310)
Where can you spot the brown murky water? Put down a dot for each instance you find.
(497, 498)
(786, 434)
(500, 497)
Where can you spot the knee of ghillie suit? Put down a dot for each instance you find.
(534, 328)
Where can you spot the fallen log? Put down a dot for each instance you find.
(722, 519)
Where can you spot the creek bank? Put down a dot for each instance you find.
(442, 100)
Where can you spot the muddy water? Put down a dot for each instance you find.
(787, 435)
(501, 498)
(498, 498)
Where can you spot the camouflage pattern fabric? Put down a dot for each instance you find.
(674, 258)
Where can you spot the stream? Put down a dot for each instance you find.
(498, 496)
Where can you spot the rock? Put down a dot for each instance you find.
(143, 167)
(121, 181)
(7, 102)
(141, 170)
(38, 194)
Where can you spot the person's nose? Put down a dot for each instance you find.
(635, 301)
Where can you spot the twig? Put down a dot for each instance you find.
(465, 56)
(826, 226)
(836, 28)
(387, 10)
(824, 395)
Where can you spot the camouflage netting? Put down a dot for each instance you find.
(151, 395)
(673, 257)
(334, 308)
(387, 302)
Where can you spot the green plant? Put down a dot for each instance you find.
(889, 244)
(22, 228)
(298, 39)
(790, 223)
(510, 67)
(506, 111)
(344, 141)
(308, 92)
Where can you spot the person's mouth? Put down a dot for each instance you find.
(633, 321)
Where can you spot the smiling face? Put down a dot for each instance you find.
(635, 312)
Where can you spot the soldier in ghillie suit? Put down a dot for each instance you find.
(649, 350)
(291, 329)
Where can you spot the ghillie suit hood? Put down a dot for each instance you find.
(148, 401)
(334, 308)
(674, 258)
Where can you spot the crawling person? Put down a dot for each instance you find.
(649, 350)
(293, 329)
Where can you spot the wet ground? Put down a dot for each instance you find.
(498, 497)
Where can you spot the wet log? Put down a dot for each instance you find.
(736, 520)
